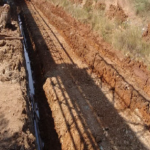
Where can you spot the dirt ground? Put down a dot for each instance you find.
(95, 97)
(90, 96)
(15, 119)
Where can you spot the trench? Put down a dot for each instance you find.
(44, 43)
(46, 135)
(31, 90)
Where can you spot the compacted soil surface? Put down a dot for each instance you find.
(90, 96)
(15, 119)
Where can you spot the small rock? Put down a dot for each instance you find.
(31, 136)
(2, 42)
(26, 144)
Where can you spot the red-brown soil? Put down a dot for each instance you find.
(101, 6)
(116, 12)
(84, 32)
(98, 98)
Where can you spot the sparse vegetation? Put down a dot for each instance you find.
(130, 41)
(142, 6)
(120, 35)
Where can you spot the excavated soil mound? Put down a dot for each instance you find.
(77, 35)
(116, 12)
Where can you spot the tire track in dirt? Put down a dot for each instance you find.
(82, 111)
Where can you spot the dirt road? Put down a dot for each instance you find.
(95, 98)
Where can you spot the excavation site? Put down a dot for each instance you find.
(63, 86)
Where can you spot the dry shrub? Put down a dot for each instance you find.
(130, 41)
(142, 6)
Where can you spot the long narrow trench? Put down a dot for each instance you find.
(84, 108)
(31, 91)
(46, 123)
(48, 133)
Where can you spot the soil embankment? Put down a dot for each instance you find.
(98, 98)
(110, 66)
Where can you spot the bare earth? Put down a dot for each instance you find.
(99, 99)
(15, 120)
(90, 96)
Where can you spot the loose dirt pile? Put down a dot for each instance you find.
(15, 118)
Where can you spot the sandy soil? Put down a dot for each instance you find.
(15, 118)
(98, 98)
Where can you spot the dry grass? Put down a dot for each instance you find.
(142, 6)
(130, 41)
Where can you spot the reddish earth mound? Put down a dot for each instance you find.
(116, 12)
(112, 70)
(77, 34)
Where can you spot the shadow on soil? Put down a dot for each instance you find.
(5, 139)
(8, 140)
(84, 94)
(82, 97)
